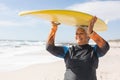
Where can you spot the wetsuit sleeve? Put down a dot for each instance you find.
(102, 46)
(59, 51)
(101, 51)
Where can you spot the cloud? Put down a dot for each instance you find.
(106, 10)
(7, 23)
(10, 18)
(21, 23)
(3, 7)
(5, 10)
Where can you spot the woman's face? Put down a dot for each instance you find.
(81, 36)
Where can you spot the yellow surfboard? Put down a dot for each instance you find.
(68, 17)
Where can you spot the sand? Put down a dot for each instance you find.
(49, 71)
(108, 69)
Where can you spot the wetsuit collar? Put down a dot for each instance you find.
(82, 46)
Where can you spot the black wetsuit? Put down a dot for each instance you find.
(81, 61)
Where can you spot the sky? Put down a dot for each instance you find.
(15, 27)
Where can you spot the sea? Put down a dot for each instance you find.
(17, 54)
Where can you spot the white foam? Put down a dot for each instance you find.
(19, 54)
(18, 62)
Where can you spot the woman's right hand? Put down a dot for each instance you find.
(55, 24)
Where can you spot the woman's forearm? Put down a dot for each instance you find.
(98, 39)
(51, 37)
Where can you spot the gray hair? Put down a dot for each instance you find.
(84, 27)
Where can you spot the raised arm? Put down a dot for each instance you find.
(59, 51)
(51, 37)
(102, 45)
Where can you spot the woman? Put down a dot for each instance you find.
(82, 59)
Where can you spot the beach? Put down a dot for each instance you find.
(108, 68)
(49, 71)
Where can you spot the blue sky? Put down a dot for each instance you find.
(15, 27)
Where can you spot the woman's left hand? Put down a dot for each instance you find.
(91, 25)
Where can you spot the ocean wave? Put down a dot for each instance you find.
(19, 54)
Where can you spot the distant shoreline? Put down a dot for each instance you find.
(112, 40)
